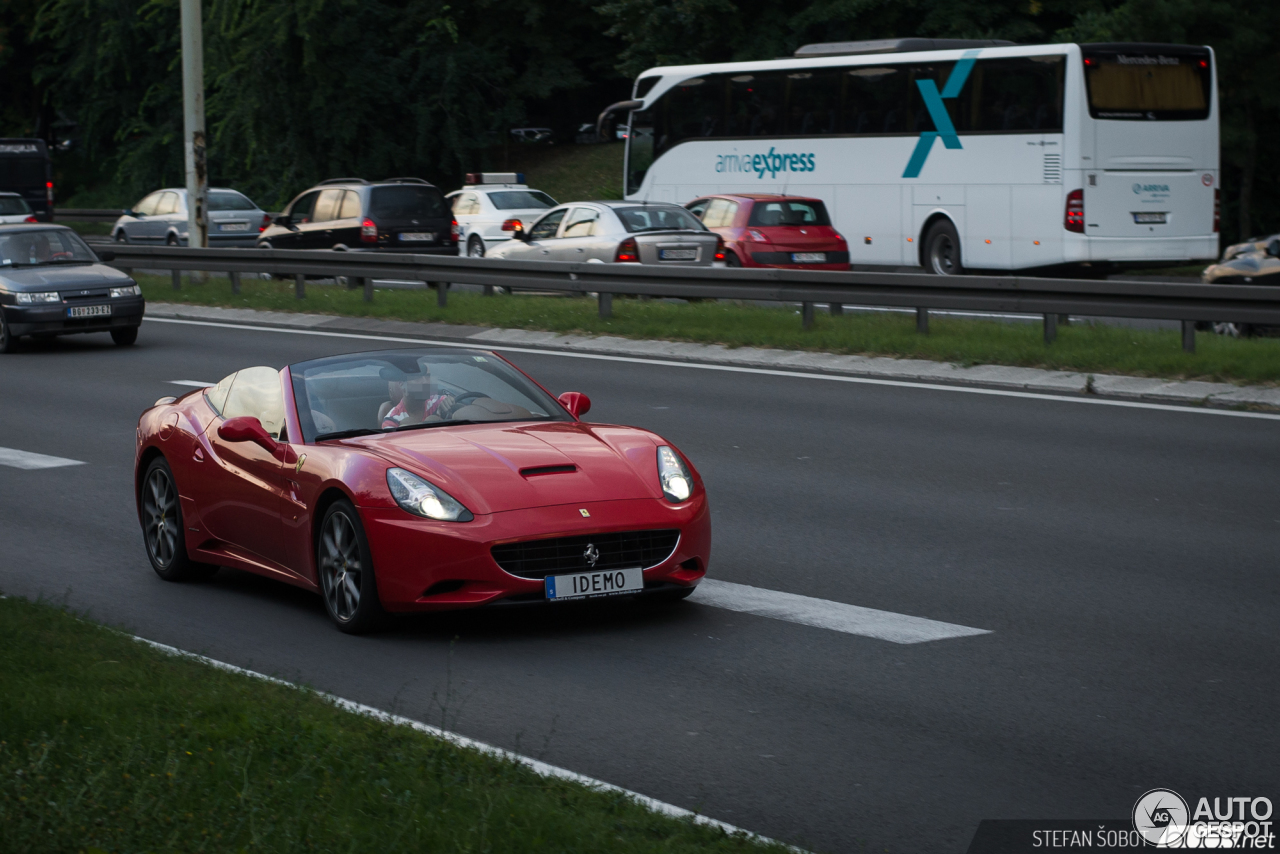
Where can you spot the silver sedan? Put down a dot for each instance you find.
(616, 232)
(161, 217)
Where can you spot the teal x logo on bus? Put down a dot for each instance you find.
(938, 112)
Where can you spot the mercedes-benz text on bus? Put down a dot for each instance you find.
(985, 156)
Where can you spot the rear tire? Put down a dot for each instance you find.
(162, 527)
(124, 335)
(942, 250)
(344, 566)
(172, 240)
(121, 237)
(475, 248)
(731, 259)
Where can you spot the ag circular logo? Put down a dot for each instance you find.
(1206, 179)
(1137, 188)
(1161, 817)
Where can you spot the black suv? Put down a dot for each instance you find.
(395, 215)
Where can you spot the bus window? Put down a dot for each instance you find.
(813, 102)
(639, 149)
(1023, 94)
(873, 97)
(755, 104)
(694, 108)
(1133, 86)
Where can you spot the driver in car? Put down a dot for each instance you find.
(419, 403)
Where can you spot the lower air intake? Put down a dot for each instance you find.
(540, 558)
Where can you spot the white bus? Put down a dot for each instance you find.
(985, 155)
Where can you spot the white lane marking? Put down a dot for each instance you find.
(769, 372)
(27, 460)
(538, 767)
(837, 616)
(193, 383)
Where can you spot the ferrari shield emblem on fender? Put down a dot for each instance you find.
(586, 514)
(297, 467)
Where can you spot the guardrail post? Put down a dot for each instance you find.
(177, 280)
(922, 321)
(299, 286)
(1050, 328)
(367, 282)
(488, 290)
(606, 305)
(235, 282)
(836, 309)
(1189, 336)
(806, 314)
(1064, 320)
(442, 293)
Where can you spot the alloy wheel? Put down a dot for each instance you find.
(942, 255)
(340, 566)
(160, 517)
(475, 249)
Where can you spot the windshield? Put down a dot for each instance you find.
(658, 218)
(44, 247)
(790, 212)
(407, 202)
(12, 205)
(365, 393)
(1153, 86)
(512, 200)
(229, 200)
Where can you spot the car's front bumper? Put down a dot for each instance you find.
(52, 319)
(414, 555)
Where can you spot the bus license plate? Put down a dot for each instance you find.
(808, 257)
(678, 254)
(1145, 218)
(418, 236)
(89, 311)
(590, 585)
(234, 226)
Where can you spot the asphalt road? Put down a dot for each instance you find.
(1124, 560)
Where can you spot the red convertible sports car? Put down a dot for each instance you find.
(415, 480)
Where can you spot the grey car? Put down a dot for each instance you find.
(161, 218)
(52, 283)
(616, 232)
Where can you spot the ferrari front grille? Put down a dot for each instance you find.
(540, 558)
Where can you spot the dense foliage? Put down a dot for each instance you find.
(304, 89)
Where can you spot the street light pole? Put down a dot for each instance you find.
(193, 124)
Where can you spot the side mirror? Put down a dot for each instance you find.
(521, 235)
(246, 428)
(283, 219)
(1273, 248)
(105, 255)
(576, 402)
(134, 214)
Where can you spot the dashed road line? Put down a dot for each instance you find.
(824, 614)
(27, 460)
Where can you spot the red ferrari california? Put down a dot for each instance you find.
(415, 480)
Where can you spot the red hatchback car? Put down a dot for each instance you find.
(415, 480)
(769, 230)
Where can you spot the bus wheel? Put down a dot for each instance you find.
(942, 250)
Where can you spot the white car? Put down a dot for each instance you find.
(14, 208)
(493, 206)
(161, 217)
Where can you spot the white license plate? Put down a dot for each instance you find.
(678, 254)
(418, 236)
(233, 226)
(808, 257)
(1149, 217)
(589, 585)
(89, 311)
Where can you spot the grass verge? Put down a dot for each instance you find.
(571, 173)
(1088, 348)
(110, 745)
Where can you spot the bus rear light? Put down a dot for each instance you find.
(719, 256)
(455, 231)
(368, 231)
(1074, 219)
(512, 225)
(1217, 210)
(628, 252)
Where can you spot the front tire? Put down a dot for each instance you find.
(475, 248)
(124, 335)
(731, 259)
(8, 341)
(344, 565)
(162, 527)
(942, 250)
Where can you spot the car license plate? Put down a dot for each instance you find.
(89, 311)
(808, 257)
(589, 585)
(1149, 217)
(418, 236)
(233, 226)
(678, 254)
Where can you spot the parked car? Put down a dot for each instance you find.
(14, 208)
(1254, 262)
(532, 134)
(492, 206)
(161, 217)
(52, 283)
(615, 232)
(770, 230)
(355, 215)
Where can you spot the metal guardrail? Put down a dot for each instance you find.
(85, 215)
(1187, 303)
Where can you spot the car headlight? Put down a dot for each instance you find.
(127, 291)
(677, 483)
(420, 498)
(36, 299)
